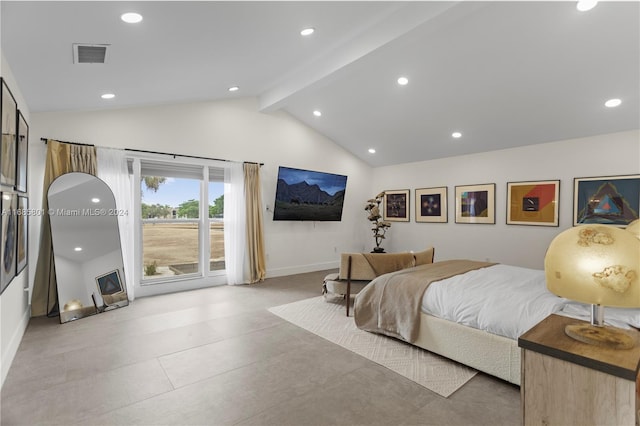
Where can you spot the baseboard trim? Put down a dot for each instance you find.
(14, 343)
(292, 270)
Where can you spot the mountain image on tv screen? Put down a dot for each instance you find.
(309, 195)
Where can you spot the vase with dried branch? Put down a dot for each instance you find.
(378, 226)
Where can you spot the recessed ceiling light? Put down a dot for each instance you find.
(612, 103)
(95, 200)
(584, 5)
(108, 96)
(77, 249)
(317, 113)
(403, 81)
(456, 135)
(307, 31)
(234, 88)
(131, 17)
(372, 151)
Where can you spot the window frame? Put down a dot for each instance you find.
(204, 277)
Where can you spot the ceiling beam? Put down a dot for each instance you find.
(399, 20)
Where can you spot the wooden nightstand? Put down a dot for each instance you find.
(566, 382)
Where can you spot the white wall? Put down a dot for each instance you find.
(14, 301)
(521, 245)
(236, 130)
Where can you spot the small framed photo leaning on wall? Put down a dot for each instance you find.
(109, 283)
(396, 205)
(431, 205)
(606, 200)
(533, 203)
(476, 203)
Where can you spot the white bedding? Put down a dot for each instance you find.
(501, 299)
(507, 301)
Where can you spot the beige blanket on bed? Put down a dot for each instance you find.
(383, 263)
(390, 304)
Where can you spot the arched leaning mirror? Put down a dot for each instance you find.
(86, 246)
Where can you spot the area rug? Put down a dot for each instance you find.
(327, 319)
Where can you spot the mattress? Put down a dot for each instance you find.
(501, 299)
(507, 301)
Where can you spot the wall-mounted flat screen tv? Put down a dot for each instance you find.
(309, 195)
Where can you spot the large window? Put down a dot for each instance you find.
(179, 238)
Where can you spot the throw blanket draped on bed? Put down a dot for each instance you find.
(390, 304)
(389, 262)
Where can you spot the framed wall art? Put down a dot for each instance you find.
(109, 283)
(476, 203)
(431, 205)
(396, 205)
(533, 203)
(606, 200)
(22, 153)
(8, 112)
(8, 239)
(22, 234)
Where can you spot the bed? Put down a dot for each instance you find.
(471, 312)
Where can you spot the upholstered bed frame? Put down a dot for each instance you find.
(489, 353)
(483, 351)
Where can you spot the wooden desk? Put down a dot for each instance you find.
(566, 382)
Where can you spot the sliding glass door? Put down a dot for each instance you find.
(180, 223)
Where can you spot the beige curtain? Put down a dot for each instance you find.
(255, 227)
(61, 158)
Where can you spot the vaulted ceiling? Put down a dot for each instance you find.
(503, 74)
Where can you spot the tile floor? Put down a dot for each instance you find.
(218, 357)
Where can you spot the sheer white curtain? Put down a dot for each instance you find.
(112, 168)
(235, 227)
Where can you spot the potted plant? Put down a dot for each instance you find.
(379, 226)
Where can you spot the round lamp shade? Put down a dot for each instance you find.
(634, 228)
(72, 305)
(595, 264)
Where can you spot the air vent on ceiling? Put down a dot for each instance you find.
(89, 53)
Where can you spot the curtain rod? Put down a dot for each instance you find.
(186, 156)
(154, 152)
(70, 143)
(173, 155)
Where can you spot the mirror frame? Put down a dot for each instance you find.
(87, 249)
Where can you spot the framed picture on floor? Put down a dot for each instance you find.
(22, 153)
(8, 239)
(533, 203)
(396, 205)
(431, 205)
(23, 234)
(476, 203)
(606, 200)
(8, 112)
(109, 283)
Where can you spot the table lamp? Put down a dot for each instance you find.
(598, 265)
(634, 228)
